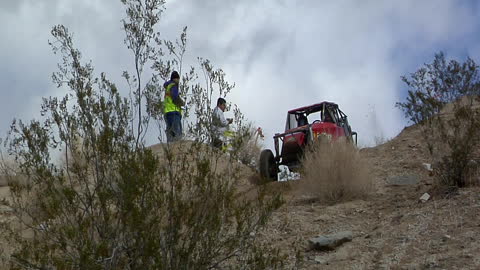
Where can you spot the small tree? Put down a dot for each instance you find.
(114, 203)
(142, 16)
(443, 98)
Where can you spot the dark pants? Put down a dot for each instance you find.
(217, 143)
(174, 126)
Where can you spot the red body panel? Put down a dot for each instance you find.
(293, 143)
(328, 128)
(296, 139)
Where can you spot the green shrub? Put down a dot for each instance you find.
(443, 99)
(113, 203)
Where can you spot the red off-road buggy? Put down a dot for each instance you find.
(303, 126)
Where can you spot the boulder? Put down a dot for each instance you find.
(331, 241)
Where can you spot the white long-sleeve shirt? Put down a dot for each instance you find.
(220, 124)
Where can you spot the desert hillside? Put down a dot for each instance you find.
(390, 229)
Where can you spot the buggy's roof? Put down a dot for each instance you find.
(312, 108)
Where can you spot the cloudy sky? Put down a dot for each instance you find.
(281, 54)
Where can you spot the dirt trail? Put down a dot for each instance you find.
(391, 228)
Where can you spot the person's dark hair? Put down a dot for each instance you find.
(221, 101)
(175, 75)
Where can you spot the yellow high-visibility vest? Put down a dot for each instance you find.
(169, 106)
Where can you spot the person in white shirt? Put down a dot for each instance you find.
(219, 123)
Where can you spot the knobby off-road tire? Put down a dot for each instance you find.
(267, 166)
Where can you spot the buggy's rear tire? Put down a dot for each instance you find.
(267, 165)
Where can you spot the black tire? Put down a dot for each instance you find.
(267, 165)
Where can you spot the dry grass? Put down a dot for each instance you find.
(334, 172)
(249, 145)
(10, 173)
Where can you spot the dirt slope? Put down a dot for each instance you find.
(391, 228)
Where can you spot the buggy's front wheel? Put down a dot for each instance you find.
(267, 165)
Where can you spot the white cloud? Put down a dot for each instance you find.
(281, 54)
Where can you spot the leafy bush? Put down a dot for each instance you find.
(443, 98)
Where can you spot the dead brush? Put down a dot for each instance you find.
(333, 172)
(248, 144)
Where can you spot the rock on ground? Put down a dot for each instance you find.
(403, 180)
(331, 241)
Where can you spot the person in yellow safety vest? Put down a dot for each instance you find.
(172, 108)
